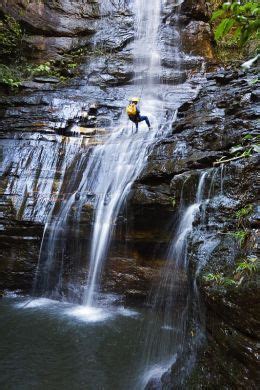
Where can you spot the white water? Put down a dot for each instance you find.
(122, 159)
(166, 336)
(107, 173)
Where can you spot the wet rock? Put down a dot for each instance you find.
(61, 18)
(197, 39)
(148, 195)
(206, 129)
(213, 124)
(34, 85)
(50, 80)
(199, 10)
(41, 48)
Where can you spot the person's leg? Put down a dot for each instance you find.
(145, 118)
(135, 122)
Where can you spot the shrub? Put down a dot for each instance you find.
(248, 266)
(240, 236)
(9, 76)
(243, 213)
(238, 21)
(11, 35)
(219, 279)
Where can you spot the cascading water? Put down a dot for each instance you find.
(166, 337)
(122, 160)
(99, 179)
(112, 166)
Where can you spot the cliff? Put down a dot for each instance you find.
(216, 132)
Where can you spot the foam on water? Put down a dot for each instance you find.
(89, 314)
(32, 303)
(99, 314)
(127, 312)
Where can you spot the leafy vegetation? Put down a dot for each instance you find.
(9, 77)
(244, 269)
(237, 21)
(11, 35)
(173, 201)
(12, 75)
(219, 279)
(247, 266)
(240, 236)
(246, 153)
(243, 213)
(249, 145)
(14, 67)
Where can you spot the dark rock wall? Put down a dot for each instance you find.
(223, 115)
(219, 118)
(53, 27)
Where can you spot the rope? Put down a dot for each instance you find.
(142, 90)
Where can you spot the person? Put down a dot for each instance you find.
(134, 115)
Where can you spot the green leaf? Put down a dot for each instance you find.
(237, 33)
(223, 28)
(217, 14)
(226, 6)
(235, 6)
(248, 136)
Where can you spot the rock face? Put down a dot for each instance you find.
(197, 36)
(54, 27)
(219, 123)
(38, 159)
(40, 154)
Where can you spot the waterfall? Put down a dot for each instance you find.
(123, 158)
(105, 174)
(222, 173)
(109, 170)
(165, 339)
(53, 230)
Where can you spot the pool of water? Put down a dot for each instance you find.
(47, 344)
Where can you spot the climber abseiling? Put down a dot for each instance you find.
(133, 113)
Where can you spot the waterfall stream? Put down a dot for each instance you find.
(109, 170)
(123, 158)
(165, 339)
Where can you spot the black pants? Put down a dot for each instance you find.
(139, 119)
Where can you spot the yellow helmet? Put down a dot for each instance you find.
(135, 99)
